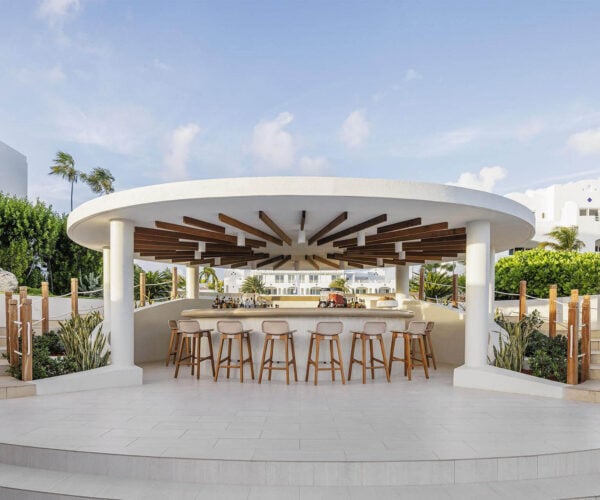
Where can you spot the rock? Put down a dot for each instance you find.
(8, 281)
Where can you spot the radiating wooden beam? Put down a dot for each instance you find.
(189, 233)
(325, 261)
(302, 220)
(204, 235)
(355, 264)
(203, 224)
(415, 233)
(360, 260)
(311, 262)
(328, 227)
(400, 225)
(270, 261)
(274, 227)
(249, 229)
(353, 229)
(287, 258)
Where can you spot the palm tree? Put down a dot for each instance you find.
(565, 239)
(100, 180)
(438, 280)
(64, 165)
(209, 276)
(341, 283)
(253, 284)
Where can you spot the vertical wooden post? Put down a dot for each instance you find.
(572, 344)
(7, 299)
(522, 299)
(174, 280)
(45, 308)
(74, 297)
(422, 283)
(586, 347)
(552, 311)
(13, 330)
(575, 295)
(454, 290)
(26, 342)
(22, 294)
(142, 289)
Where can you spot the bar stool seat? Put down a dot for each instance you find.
(190, 332)
(326, 331)
(415, 331)
(372, 330)
(278, 330)
(230, 331)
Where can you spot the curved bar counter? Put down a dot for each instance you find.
(302, 320)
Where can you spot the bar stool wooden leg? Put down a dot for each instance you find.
(392, 358)
(363, 343)
(341, 361)
(221, 342)
(248, 344)
(317, 360)
(210, 350)
(430, 354)
(173, 341)
(241, 342)
(287, 364)
(271, 358)
(386, 366)
(262, 360)
(423, 355)
(229, 342)
(372, 356)
(351, 356)
(178, 360)
(198, 342)
(308, 363)
(193, 356)
(332, 358)
(407, 357)
(291, 340)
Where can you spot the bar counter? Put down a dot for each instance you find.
(302, 320)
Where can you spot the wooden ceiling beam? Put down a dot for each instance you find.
(310, 260)
(190, 221)
(328, 227)
(393, 236)
(302, 220)
(345, 258)
(270, 261)
(202, 234)
(274, 227)
(325, 261)
(400, 225)
(249, 229)
(353, 229)
(281, 262)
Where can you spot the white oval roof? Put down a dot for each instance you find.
(284, 198)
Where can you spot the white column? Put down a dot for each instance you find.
(478, 292)
(106, 288)
(191, 282)
(492, 282)
(121, 292)
(402, 280)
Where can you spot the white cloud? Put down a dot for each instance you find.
(530, 129)
(180, 142)
(485, 180)
(586, 142)
(57, 11)
(412, 74)
(355, 129)
(272, 145)
(448, 142)
(55, 74)
(29, 76)
(313, 165)
(160, 65)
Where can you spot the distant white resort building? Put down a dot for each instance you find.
(367, 281)
(13, 171)
(571, 204)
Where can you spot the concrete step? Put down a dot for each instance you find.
(595, 335)
(12, 388)
(594, 371)
(595, 357)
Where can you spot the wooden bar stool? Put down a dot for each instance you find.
(429, 354)
(372, 330)
(415, 330)
(230, 331)
(278, 330)
(190, 331)
(173, 342)
(326, 331)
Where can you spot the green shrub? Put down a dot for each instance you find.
(542, 268)
(86, 350)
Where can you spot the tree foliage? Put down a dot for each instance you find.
(34, 246)
(208, 276)
(341, 283)
(542, 268)
(438, 280)
(253, 284)
(565, 239)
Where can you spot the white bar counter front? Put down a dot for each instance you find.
(302, 320)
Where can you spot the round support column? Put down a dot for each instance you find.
(121, 292)
(106, 288)
(402, 280)
(191, 282)
(492, 283)
(477, 314)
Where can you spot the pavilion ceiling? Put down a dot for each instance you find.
(268, 244)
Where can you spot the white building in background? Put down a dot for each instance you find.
(13, 172)
(571, 204)
(381, 280)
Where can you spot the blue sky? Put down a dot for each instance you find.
(496, 95)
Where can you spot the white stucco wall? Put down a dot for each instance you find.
(13, 171)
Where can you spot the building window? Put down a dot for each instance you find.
(279, 278)
(593, 212)
(313, 278)
(582, 212)
(314, 291)
(383, 289)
